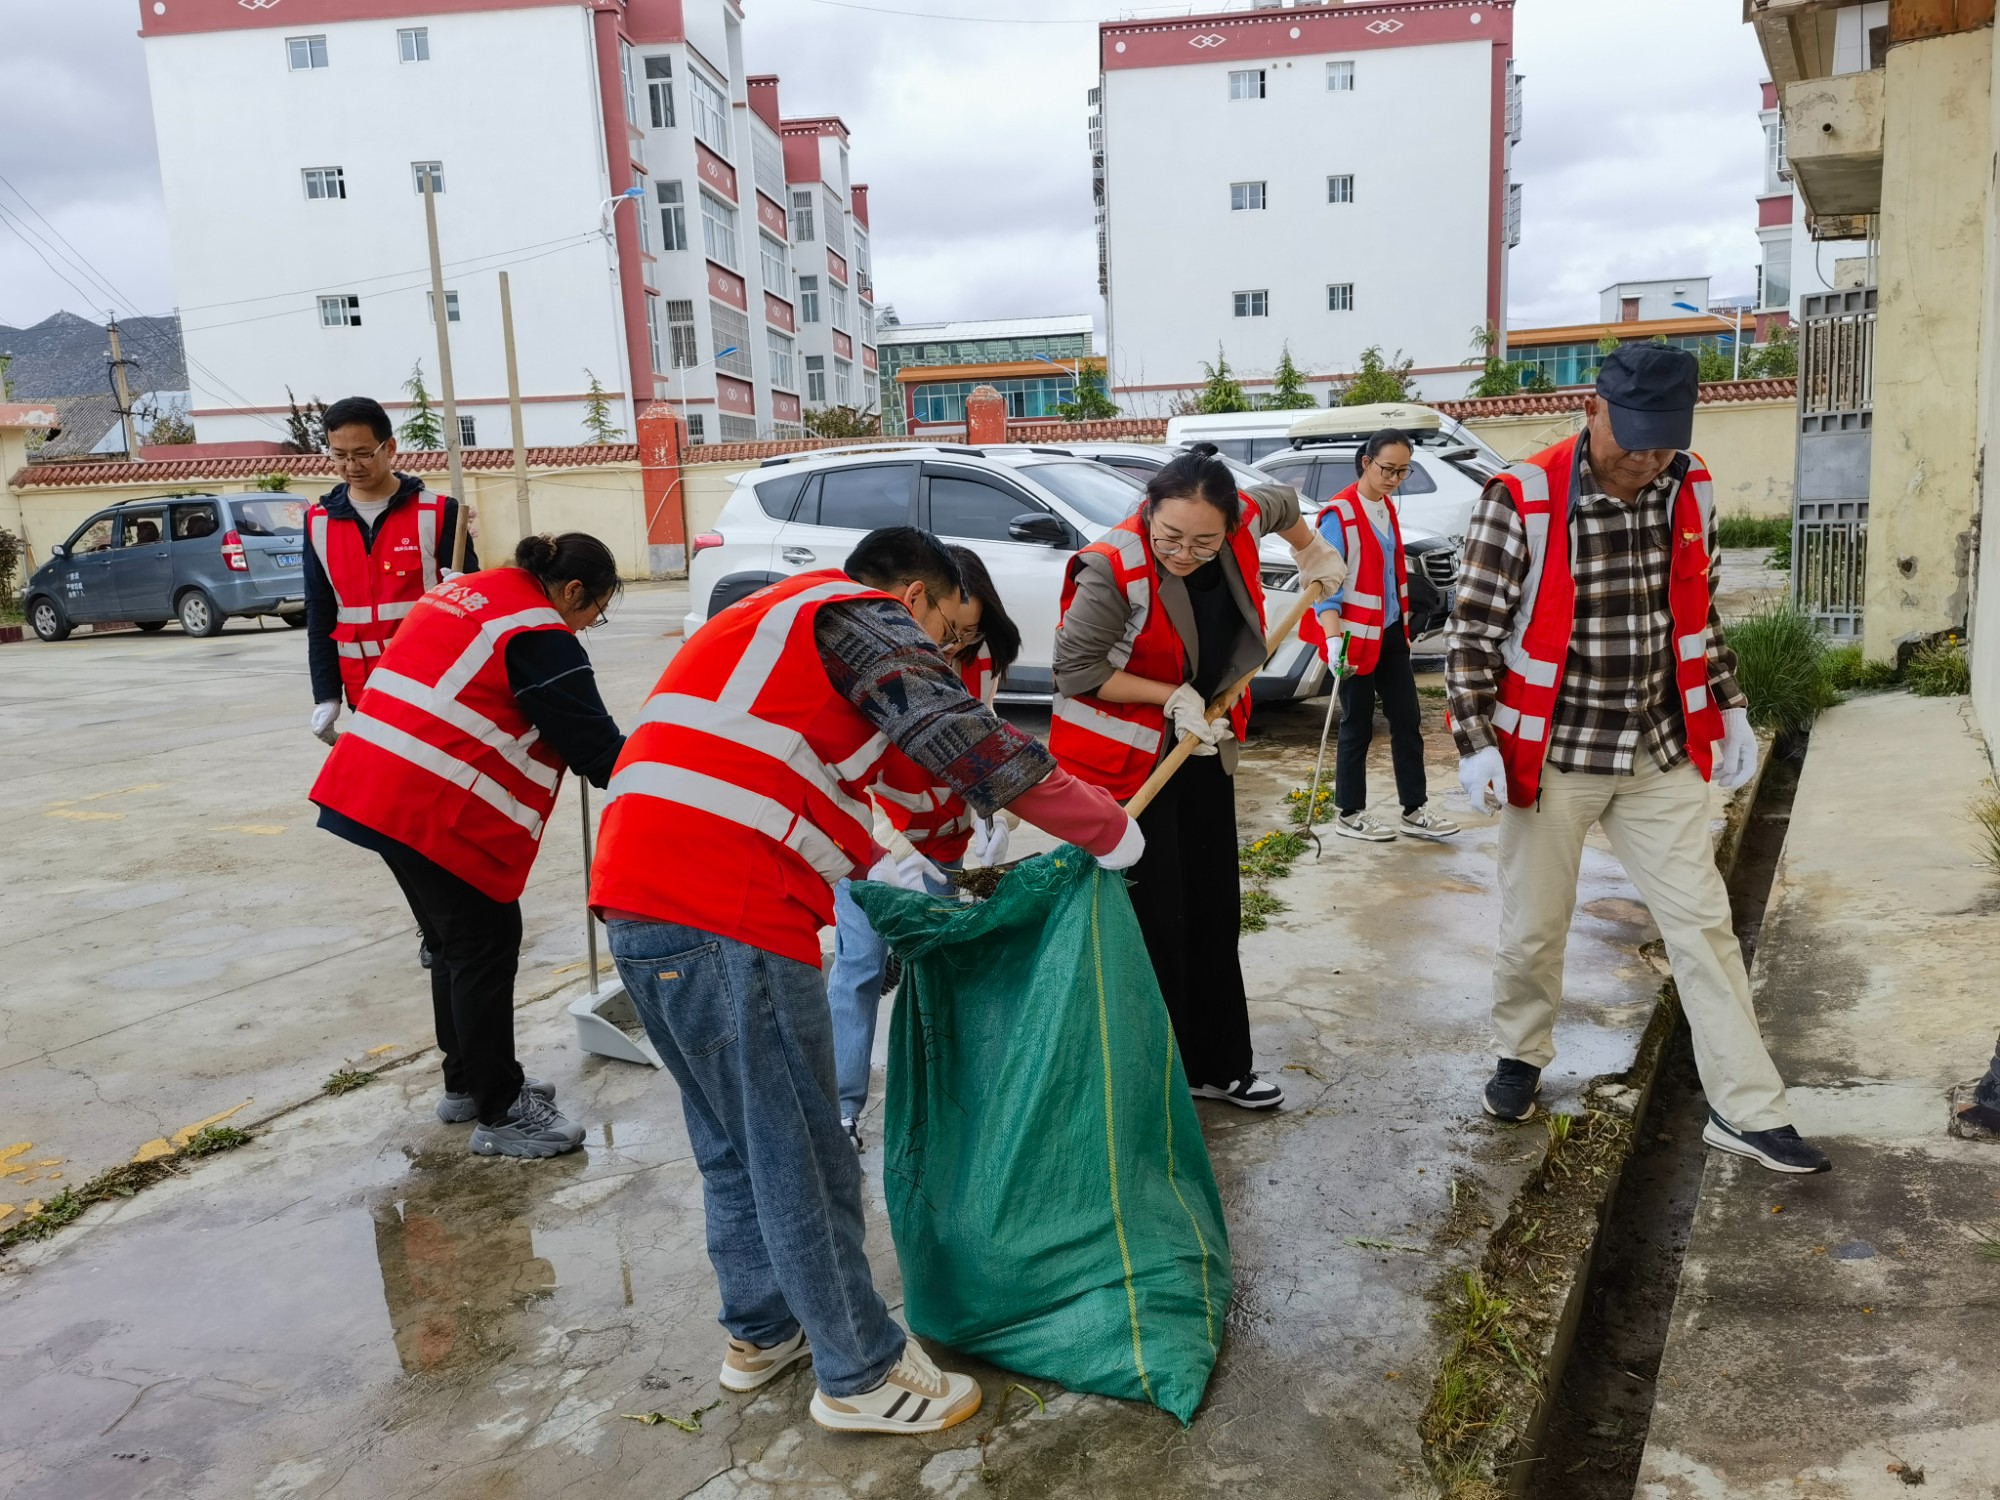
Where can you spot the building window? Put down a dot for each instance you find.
(781, 360)
(1339, 297)
(1248, 84)
(1340, 189)
(450, 306)
(413, 44)
(731, 330)
(645, 228)
(325, 182)
(673, 216)
(660, 91)
(1033, 396)
(768, 157)
(843, 382)
(468, 432)
(696, 432)
(1245, 195)
(777, 266)
(718, 230)
(431, 169)
(681, 335)
(653, 348)
(305, 52)
(711, 113)
(808, 299)
(802, 217)
(1340, 77)
(736, 429)
(1253, 304)
(836, 296)
(631, 83)
(836, 225)
(1776, 274)
(1774, 153)
(816, 378)
(340, 312)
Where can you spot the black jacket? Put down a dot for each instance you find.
(322, 660)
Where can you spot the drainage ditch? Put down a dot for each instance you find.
(1597, 1431)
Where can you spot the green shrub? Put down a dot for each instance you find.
(1938, 669)
(1780, 665)
(1781, 553)
(1985, 814)
(1753, 531)
(1847, 669)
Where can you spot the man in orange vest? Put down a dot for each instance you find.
(738, 802)
(1590, 683)
(375, 544)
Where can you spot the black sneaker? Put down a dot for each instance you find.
(1510, 1092)
(1780, 1150)
(853, 1129)
(1248, 1092)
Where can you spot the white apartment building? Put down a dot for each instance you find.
(612, 156)
(1318, 177)
(1791, 262)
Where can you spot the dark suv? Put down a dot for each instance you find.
(196, 558)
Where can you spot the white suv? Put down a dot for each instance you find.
(1024, 510)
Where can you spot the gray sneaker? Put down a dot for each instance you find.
(458, 1109)
(1425, 824)
(534, 1128)
(1360, 826)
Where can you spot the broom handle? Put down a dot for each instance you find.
(1163, 773)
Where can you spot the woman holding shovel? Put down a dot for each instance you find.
(1161, 615)
(1373, 612)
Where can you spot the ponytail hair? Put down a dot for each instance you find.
(1198, 474)
(572, 557)
(1388, 437)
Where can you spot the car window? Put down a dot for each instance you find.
(863, 499)
(269, 517)
(96, 537)
(192, 522)
(973, 510)
(1329, 477)
(141, 528)
(1249, 450)
(1102, 496)
(777, 496)
(1291, 470)
(1139, 469)
(1419, 481)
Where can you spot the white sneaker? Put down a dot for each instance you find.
(917, 1397)
(1361, 826)
(748, 1366)
(1425, 824)
(1248, 1092)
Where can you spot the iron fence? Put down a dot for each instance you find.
(1836, 421)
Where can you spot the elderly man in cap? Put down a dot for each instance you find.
(1589, 683)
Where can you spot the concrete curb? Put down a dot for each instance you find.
(1502, 1462)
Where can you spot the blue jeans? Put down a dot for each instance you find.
(747, 1036)
(854, 992)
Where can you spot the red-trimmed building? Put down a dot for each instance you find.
(1323, 178)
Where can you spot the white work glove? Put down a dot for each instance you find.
(445, 575)
(322, 721)
(1484, 776)
(907, 872)
(1736, 751)
(1188, 714)
(989, 840)
(1320, 562)
(1131, 844)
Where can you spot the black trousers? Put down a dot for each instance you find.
(475, 945)
(1187, 892)
(1394, 684)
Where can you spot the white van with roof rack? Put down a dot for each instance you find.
(1252, 436)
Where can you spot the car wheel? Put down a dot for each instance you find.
(149, 626)
(297, 621)
(50, 623)
(199, 614)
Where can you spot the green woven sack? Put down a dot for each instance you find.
(1049, 1189)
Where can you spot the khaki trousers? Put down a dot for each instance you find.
(1657, 824)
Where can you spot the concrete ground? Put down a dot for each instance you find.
(354, 1306)
(1829, 1327)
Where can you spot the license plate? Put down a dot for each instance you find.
(288, 559)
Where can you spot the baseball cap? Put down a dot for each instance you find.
(1651, 390)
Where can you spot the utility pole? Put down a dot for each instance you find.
(453, 456)
(514, 409)
(120, 393)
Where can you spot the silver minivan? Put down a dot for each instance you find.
(199, 559)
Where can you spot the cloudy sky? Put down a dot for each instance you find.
(1641, 157)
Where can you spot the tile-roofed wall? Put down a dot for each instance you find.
(176, 471)
(1555, 403)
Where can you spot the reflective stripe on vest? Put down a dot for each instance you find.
(1537, 647)
(371, 596)
(440, 713)
(1362, 611)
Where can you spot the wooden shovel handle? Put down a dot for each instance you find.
(1163, 773)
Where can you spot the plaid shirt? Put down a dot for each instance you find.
(1618, 690)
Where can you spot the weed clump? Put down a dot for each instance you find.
(1938, 669)
(1780, 665)
(1985, 815)
(346, 1081)
(1259, 906)
(1752, 531)
(1848, 670)
(215, 1138)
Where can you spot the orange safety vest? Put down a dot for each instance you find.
(1116, 745)
(742, 795)
(439, 755)
(932, 817)
(1542, 490)
(374, 591)
(1362, 600)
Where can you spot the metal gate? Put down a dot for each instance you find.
(1836, 421)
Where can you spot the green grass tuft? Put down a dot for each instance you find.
(1985, 815)
(346, 1081)
(1295, 799)
(1752, 531)
(1780, 665)
(1271, 856)
(1847, 670)
(214, 1139)
(1780, 559)
(1259, 906)
(1938, 669)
